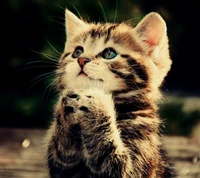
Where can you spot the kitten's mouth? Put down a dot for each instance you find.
(82, 73)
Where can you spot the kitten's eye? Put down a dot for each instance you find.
(109, 53)
(77, 52)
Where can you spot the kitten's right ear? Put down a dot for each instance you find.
(151, 32)
(73, 24)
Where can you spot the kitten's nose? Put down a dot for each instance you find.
(82, 61)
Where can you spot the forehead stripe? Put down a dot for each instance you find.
(137, 67)
(95, 33)
(109, 32)
(102, 30)
(65, 55)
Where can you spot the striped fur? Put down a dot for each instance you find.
(105, 121)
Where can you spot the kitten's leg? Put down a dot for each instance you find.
(103, 149)
(141, 136)
(64, 155)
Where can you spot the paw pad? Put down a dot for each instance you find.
(83, 108)
(69, 109)
(73, 96)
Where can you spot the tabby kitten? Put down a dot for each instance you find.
(105, 121)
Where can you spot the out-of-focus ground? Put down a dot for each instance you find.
(22, 154)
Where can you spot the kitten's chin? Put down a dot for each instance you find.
(107, 83)
(83, 81)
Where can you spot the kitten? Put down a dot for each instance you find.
(105, 121)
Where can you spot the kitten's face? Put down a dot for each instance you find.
(112, 57)
(96, 58)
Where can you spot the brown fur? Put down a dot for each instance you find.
(106, 123)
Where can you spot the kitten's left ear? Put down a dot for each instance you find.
(73, 24)
(151, 32)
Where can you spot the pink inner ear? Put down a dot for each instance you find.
(151, 42)
(152, 39)
(151, 29)
(153, 34)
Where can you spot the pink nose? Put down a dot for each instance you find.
(82, 61)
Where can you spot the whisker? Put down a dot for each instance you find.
(52, 58)
(36, 62)
(48, 56)
(46, 76)
(33, 67)
(57, 22)
(53, 47)
(58, 17)
(103, 12)
(49, 86)
(116, 10)
(135, 20)
(60, 7)
(77, 11)
(40, 76)
(51, 64)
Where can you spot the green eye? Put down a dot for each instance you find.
(77, 52)
(109, 53)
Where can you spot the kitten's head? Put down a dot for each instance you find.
(117, 58)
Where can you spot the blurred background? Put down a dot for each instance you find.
(33, 37)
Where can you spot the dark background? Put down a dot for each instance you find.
(31, 27)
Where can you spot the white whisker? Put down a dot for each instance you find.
(48, 56)
(41, 77)
(53, 47)
(63, 24)
(77, 11)
(103, 12)
(36, 62)
(116, 9)
(55, 59)
(49, 86)
(57, 17)
(33, 67)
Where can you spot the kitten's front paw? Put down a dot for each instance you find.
(95, 103)
(88, 104)
(70, 102)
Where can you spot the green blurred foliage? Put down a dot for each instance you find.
(33, 37)
(179, 119)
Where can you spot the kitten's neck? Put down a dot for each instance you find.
(137, 103)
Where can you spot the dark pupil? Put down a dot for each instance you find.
(77, 52)
(109, 53)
